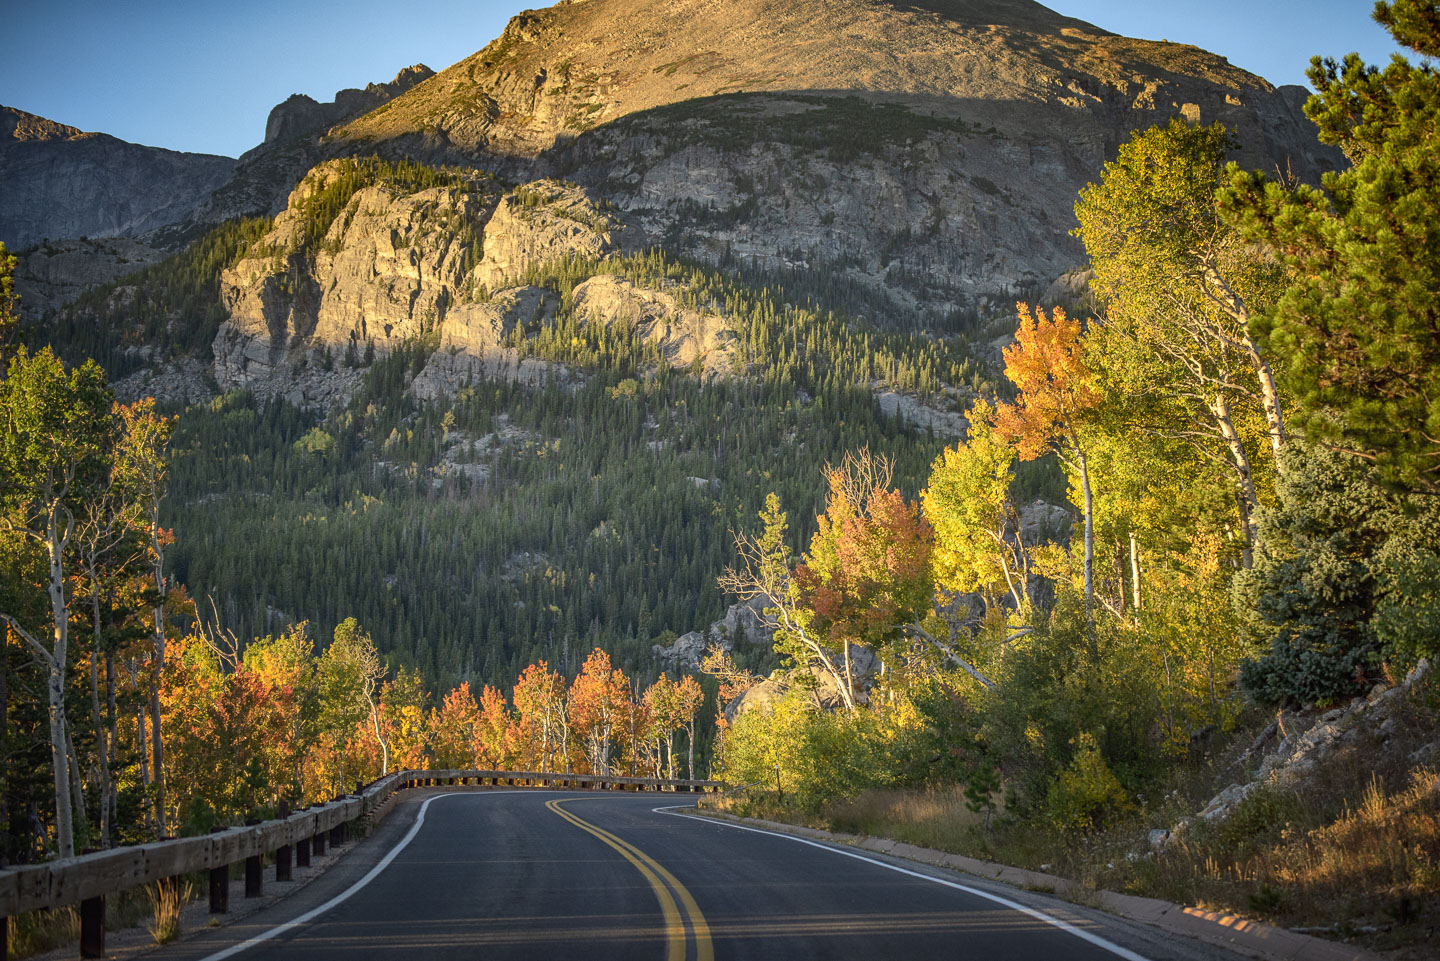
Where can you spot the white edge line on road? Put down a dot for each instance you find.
(1065, 926)
(310, 915)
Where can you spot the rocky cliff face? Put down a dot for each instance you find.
(928, 152)
(53, 274)
(396, 265)
(59, 182)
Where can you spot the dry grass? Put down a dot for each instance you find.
(934, 817)
(1375, 868)
(166, 903)
(40, 932)
(37, 932)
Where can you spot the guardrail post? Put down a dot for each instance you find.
(319, 841)
(282, 853)
(92, 927)
(254, 876)
(254, 869)
(219, 884)
(302, 853)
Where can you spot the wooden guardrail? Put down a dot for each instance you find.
(88, 878)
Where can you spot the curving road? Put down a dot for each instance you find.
(542, 874)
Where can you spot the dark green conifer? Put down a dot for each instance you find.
(1358, 331)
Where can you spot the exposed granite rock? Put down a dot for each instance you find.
(540, 223)
(685, 336)
(685, 654)
(265, 175)
(58, 182)
(183, 382)
(393, 268)
(1292, 747)
(1041, 521)
(791, 136)
(945, 424)
(744, 621)
(762, 697)
(472, 347)
(54, 273)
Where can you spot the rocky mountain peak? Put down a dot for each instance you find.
(300, 115)
(557, 72)
(17, 125)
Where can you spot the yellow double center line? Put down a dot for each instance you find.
(654, 872)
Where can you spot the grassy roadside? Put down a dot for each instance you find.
(1350, 850)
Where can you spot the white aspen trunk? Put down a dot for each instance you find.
(1134, 574)
(384, 747)
(690, 730)
(818, 652)
(157, 738)
(101, 747)
(1270, 398)
(79, 814)
(1089, 544)
(58, 658)
(112, 804)
(1015, 591)
(1220, 408)
(142, 752)
(64, 826)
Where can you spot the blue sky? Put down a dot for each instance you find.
(198, 75)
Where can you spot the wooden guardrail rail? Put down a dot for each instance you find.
(88, 878)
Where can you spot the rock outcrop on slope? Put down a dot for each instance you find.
(60, 182)
(744, 622)
(54, 273)
(1298, 746)
(397, 264)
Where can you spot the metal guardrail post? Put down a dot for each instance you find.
(92, 927)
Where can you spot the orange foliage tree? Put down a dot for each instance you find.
(868, 570)
(1057, 399)
(598, 700)
(496, 733)
(455, 729)
(543, 725)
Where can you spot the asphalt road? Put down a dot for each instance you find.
(542, 874)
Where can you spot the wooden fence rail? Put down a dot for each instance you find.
(88, 878)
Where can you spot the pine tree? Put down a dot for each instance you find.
(1358, 329)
